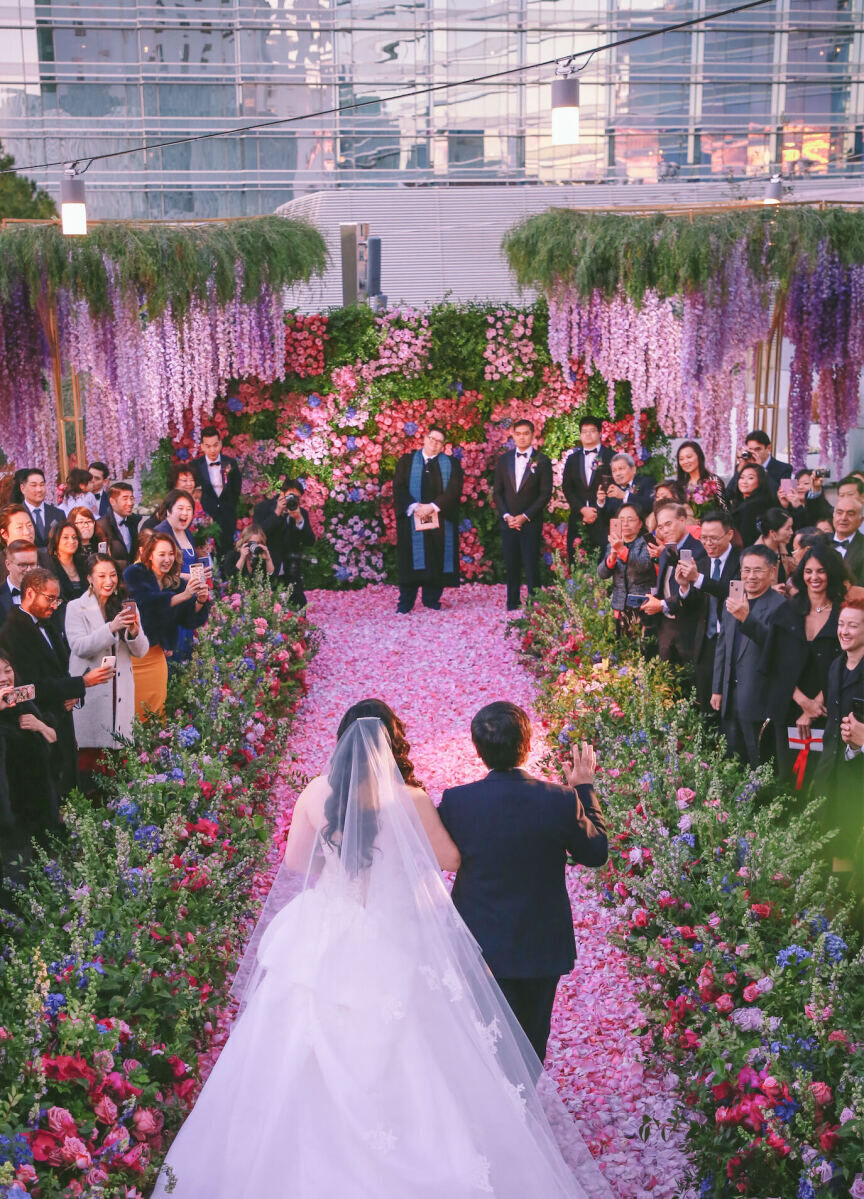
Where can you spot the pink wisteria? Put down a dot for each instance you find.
(597, 1057)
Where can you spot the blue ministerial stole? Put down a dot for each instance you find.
(415, 490)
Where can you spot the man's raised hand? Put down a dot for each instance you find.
(584, 766)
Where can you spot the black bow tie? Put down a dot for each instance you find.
(14, 590)
(122, 521)
(846, 542)
(521, 453)
(218, 462)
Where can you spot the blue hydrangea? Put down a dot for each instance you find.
(314, 401)
(547, 557)
(188, 736)
(792, 953)
(465, 525)
(341, 573)
(786, 1110)
(564, 738)
(805, 1188)
(457, 452)
(54, 1002)
(351, 443)
(303, 431)
(835, 948)
(182, 455)
(706, 1185)
(467, 558)
(149, 834)
(249, 663)
(234, 404)
(177, 775)
(410, 428)
(127, 810)
(355, 495)
(99, 935)
(350, 413)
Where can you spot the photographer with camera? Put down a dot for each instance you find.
(287, 528)
(757, 452)
(250, 556)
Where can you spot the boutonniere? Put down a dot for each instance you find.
(532, 466)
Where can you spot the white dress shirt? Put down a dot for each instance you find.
(215, 471)
(523, 461)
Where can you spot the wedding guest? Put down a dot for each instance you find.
(631, 568)
(68, 563)
(182, 478)
(514, 834)
(16, 525)
(626, 487)
(749, 499)
(820, 583)
(90, 531)
(702, 489)
(804, 498)
(287, 530)
(679, 621)
(740, 683)
(29, 802)
(42, 514)
(99, 624)
(39, 655)
(179, 510)
(250, 557)
(802, 539)
(840, 772)
(21, 556)
(427, 487)
(522, 490)
(219, 478)
(586, 469)
(775, 531)
(852, 487)
(712, 581)
(848, 540)
(121, 525)
(666, 490)
(166, 608)
(100, 484)
(77, 493)
(757, 451)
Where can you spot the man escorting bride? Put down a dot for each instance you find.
(374, 1056)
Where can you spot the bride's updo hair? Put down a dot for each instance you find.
(394, 728)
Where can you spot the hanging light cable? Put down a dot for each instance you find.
(73, 206)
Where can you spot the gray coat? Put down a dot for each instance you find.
(635, 576)
(89, 640)
(739, 658)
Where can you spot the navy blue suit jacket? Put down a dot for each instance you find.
(514, 833)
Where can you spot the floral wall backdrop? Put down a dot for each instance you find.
(360, 389)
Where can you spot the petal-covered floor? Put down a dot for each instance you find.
(436, 669)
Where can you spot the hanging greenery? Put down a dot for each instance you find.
(672, 253)
(159, 265)
(675, 304)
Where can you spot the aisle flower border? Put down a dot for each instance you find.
(752, 972)
(118, 980)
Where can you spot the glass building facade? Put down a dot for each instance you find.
(777, 87)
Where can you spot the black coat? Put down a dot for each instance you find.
(740, 656)
(580, 490)
(532, 498)
(639, 492)
(52, 516)
(718, 589)
(514, 833)
(448, 499)
(854, 559)
(160, 620)
(221, 508)
(34, 661)
(116, 544)
(6, 602)
(283, 536)
(678, 629)
(746, 515)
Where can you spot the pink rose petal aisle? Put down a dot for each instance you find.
(436, 669)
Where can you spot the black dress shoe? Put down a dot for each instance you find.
(433, 607)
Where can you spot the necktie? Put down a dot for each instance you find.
(39, 523)
(713, 607)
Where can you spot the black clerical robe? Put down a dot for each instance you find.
(432, 490)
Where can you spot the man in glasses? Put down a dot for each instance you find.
(39, 655)
(741, 685)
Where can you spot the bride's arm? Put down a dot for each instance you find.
(443, 844)
(301, 835)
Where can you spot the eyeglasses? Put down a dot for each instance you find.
(53, 600)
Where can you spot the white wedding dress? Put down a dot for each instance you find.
(374, 1056)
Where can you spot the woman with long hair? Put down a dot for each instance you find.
(703, 490)
(751, 499)
(101, 623)
(166, 608)
(68, 562)
(776, 529)
(250, 557)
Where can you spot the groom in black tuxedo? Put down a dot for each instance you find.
(522, 490)
(514, 833)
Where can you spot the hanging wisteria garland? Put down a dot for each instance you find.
(685, 343)
(137, 373)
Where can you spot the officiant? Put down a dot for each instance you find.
(427, 489)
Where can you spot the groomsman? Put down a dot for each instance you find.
(218, 476)
(43, 514)
(586, 471)
(522, 490)
(121, 524)
(627, 488)
(427, 489)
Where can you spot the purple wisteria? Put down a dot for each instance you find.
(136, 373)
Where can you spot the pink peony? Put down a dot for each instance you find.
(76, 1153)
(821, 1092)
(684, 797)
(61, 1121)
(147, 1121)
(725, 1003)
(106, 1110)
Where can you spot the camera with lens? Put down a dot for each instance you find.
(256, 549)
(746, 455)
(821, 473)
(292, 502)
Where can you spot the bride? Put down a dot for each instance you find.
(373, 1056)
